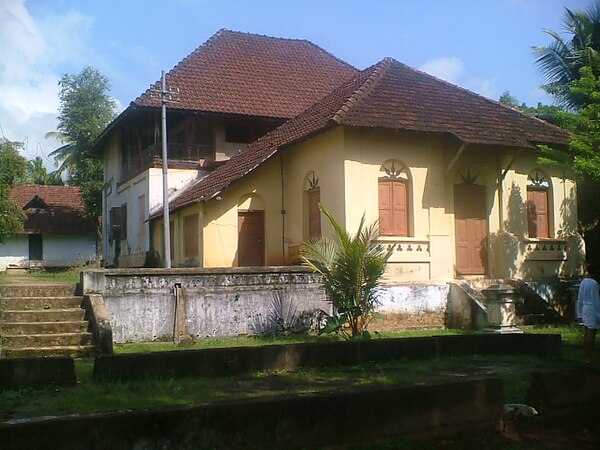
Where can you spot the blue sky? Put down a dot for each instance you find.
(483, 45)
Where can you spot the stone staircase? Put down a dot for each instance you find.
(43, 320)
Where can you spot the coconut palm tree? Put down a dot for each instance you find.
(562, 60)
(351, 267)
(65, 156)
(36, 173)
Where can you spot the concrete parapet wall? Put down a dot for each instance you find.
(295, 421)
(162, 304)
(232, 361)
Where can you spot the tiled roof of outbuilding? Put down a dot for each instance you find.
(250, 74)
(388, 95)
(60, 209)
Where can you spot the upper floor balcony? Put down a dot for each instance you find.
(151, 156)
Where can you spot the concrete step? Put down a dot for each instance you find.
(12, 328)
(16, 341)
(25, 303)
(76, 351)
(42, 290)
(44, 315)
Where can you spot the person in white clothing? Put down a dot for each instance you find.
(588, 308)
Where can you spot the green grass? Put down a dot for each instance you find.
(87, 396)
(60, 276)
(248, 341)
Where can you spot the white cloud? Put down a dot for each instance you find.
(31, 50)
(453, 70)
(448, 68)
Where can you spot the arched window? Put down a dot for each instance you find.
(538, 213)
(313, 214)
(394, 205)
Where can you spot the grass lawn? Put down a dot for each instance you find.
(67, 276)
(87, 396)
(249, 341)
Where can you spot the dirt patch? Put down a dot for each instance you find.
(404, 321)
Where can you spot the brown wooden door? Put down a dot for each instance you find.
(251, 238)
(471, 228)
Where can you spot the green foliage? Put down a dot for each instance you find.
(549, 113)
(561, 62)
(85, 110)
(583, 156)
(12, 171)
(351, 267)
(36, 173)
(12, 164)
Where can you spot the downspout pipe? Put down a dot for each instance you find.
(282, 208)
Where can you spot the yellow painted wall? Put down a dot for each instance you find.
(347, 164)
(259, 190)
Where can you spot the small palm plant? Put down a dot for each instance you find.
(351, 267)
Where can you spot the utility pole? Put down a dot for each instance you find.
(165, 97)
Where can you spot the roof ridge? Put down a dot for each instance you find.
(366, 86)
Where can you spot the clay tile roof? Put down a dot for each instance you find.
(387, 95)
(408, 99)
(60, 209)
(242, 73)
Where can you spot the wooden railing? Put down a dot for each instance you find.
(175, 152)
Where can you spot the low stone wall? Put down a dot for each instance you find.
(413, 305)
(555, 389)
(36, 372)
(295, 421)
(163, 304)
(232, 361)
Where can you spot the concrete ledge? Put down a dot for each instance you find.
(298, 421)
(231, 361)
(99, 324)
(35, 372)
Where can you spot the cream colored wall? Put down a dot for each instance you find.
(347, 164)
(220, 218)
(323, 156)
(563, 226)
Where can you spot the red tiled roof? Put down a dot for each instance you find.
(387, 95)
(249, 74)
(65, 209)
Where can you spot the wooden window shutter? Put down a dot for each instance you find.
(537, 213)
(124, 221)
(393, 208)
(314, 213)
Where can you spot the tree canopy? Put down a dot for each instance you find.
(12, 171)
(561, 62)
(85, 110)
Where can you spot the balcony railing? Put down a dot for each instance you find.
(175, 152)
(406, 249)
(545, 249)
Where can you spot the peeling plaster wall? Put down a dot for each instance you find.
(141, 303)
(414, 298)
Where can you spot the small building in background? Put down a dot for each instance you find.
(55, 233)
